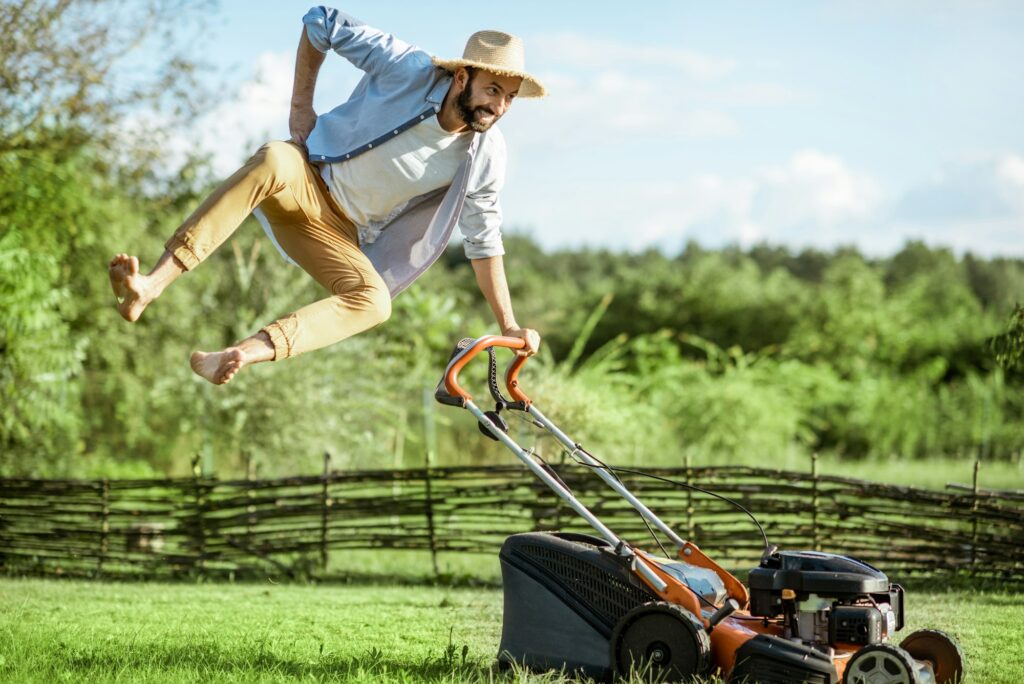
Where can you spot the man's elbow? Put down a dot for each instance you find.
(483, 249)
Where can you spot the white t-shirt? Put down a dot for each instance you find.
(376, 185)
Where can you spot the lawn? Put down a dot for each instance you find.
(100, 632)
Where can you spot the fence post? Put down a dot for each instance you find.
(398, 459)
(690, 532)
(104, 525)
(974, 516)
(325, 505)
(815, 503)
(250, 494)
(198, 499)
(430, 441)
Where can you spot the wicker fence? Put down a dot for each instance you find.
(205, 526)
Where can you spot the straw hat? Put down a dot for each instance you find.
(499, 53)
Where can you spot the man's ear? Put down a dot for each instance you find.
(461, 77)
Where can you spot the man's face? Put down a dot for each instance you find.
(485, 97)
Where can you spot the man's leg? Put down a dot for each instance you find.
(219, 367)
(310, 227)
(268, 172)
(134, 291)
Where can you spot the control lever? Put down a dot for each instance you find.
(730, 606)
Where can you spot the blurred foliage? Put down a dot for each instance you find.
(68, 75)
(1009, 347)
(738, 354)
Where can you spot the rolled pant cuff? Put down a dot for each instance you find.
(278, 338)
(183, 253)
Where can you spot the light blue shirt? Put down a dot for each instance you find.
(399, 89)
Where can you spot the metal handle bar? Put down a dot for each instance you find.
(451, 373)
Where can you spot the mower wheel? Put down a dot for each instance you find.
(939, 649)
(661, 642)
(881, 664)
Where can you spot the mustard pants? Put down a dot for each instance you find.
(310, 226)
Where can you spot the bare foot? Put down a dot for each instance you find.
(131, 288)
(218, 367)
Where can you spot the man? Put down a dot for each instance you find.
(365, 197)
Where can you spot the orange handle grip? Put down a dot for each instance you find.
(451, 375)
(512, 380)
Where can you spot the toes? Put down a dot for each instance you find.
(133, 265)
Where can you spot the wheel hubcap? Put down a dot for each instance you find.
(879, 668)
(658, 653)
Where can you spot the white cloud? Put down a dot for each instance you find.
(253, 113)
(607, 92)
(979, 188)
(577, 50)
(973, 204)
(611, 107)
(751, 95)
(813, 199)
(812, 191)
(1010, 182)
(259, 112)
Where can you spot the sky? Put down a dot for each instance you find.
(804, 124)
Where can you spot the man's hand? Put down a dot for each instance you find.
(300, 123)
(531, 336)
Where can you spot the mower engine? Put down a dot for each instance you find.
(826, 600)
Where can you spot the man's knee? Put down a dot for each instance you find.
(281, 157)
(373, 300)
(381, 303)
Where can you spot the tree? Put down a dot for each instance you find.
(1009, 347)
(65, 92)
(65, 68)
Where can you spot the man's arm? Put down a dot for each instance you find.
(307, 65)
(369, 49)
(490, 276)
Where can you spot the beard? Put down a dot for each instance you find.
(470, 114)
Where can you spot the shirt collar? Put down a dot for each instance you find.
(440, 89)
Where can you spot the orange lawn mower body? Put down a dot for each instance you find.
(600, 607)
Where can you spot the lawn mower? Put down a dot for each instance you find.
(601, 607)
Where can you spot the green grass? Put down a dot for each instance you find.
(54, 631)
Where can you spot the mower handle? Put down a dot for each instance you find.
(451, 374)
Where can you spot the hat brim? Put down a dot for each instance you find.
(530, 87)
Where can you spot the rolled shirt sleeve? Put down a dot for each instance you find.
(480, 220)
(367, 48)
(480, 223)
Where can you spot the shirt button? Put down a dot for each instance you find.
(396, 132)
(323, 157)
(347, 156)
(370, 146)
(421, 117)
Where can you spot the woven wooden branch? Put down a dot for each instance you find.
(199, 525)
